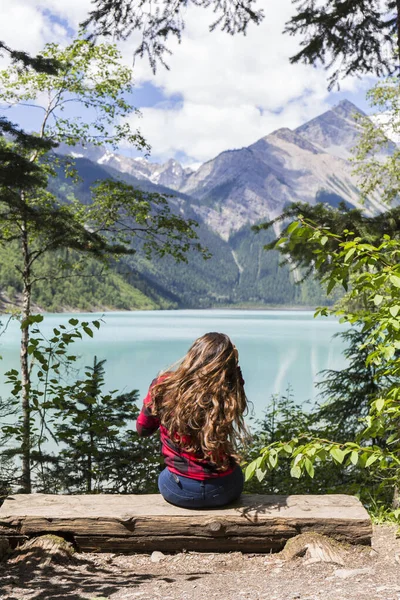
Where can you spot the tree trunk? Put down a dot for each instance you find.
(396, 498)
(90, 452)
(398, 36)
(24, 360)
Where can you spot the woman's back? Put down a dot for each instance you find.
(199, 409)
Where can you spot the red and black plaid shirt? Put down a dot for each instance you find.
(178, 461)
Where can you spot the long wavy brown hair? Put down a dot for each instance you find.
(202, 402)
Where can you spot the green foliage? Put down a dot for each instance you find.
(97, 451)
(377, 157)
(297, 250)
(358, 35)
(347, 394)
(15, 168)
(85, 287)
(373, 300)
(50, 360)
(87, 74)
(284, 420)
(124, 212)
(92, 78)
(362, 257)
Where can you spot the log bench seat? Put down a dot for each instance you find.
(143, 523)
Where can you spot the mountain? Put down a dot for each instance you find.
(335, 131)
(309, 164)
(244, 186)
(170, 174)
(226, 195)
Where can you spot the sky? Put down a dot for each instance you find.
(221, 92)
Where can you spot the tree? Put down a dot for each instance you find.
(300, 253)
(376, 158)
(360, 36)
(285, 420)
(15, 168)
(375, 276)
(156, 22)
(98, 452)
(347, 394)
(91, 78)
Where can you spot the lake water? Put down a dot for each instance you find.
(277, 349)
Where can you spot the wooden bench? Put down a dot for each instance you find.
(116, 523)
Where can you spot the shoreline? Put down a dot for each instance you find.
(104, 309)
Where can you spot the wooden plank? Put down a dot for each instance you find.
(143, 523)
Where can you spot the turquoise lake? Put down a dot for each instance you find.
(277, 348)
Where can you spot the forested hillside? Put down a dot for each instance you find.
(96, 288)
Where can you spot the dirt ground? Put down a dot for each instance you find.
(368, 574)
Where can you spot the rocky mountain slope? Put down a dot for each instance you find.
(308, 164)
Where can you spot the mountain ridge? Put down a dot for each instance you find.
(245, 185)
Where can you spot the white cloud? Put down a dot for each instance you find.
(29, 24)
(234, 90)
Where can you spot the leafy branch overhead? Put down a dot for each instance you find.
(348, 37)
(159, 20)
(123, 212)
(360, 36)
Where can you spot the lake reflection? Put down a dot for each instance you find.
(277, 348)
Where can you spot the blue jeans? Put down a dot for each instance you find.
(192, 493)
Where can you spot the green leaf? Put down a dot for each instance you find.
(394, 310)
(73, 322)
(295, 472)
(292, 226)
(324, 240)
(331, 285)
(379, 404)
(349, 254)
(250, 470)
(337, 454)
(280, 241)
(273, 459)
(354, 457)
(395, 280)
(309, 467)
(371, 459)
(378, 299)
(260, 474)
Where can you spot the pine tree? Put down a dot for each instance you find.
(361, 36)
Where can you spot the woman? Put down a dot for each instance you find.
(199, 409)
